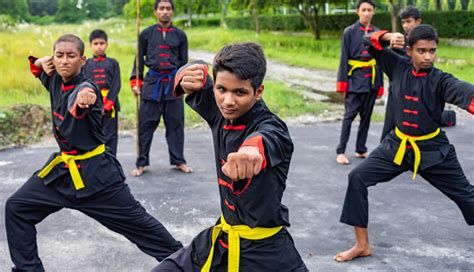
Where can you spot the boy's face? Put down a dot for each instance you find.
(366, 12)
(67, 60)
(99, 46)
(164, 12)
(409, 23)
(423, 54)
(234, 96)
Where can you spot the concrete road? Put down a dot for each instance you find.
(413, 226)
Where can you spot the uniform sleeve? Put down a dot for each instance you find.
(114, 88)
(388, 60)
(75, 110)
(39, 73)
(203, 102)
(183, 51)
(342, 84)
(457, 92)
(141, 62)
(273, 141)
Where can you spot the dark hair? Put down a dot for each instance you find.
(72, 39)
(371, 2)
(422, 32)
(410, 12)
(97, 34)
(245, 60)
(158, 2)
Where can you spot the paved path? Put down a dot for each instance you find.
(413, 226)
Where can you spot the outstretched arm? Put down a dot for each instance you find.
(386, 58)
(457, 92)
(81, 101)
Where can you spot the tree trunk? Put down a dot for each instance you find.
(396, 7)
(223, 5)
(451, 4)
(190, 14)
(255, 16)
(316, 22)
(464, 4)
(439, 4)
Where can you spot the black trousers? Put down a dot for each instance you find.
(110, 126)
(114, 207)
(448, 177)
(389, 122)
(362, 104)
(173, 116)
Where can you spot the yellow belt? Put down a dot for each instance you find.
(70, 160)
(412, 139)
(360, 64)
(234, 233)
(104, 97)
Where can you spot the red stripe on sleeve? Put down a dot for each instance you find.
(471, 107)
(341, 86)
(375, 37)
(35, 70)
(257, 142)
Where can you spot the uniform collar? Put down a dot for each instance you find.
(421, 72)
(165, 29)
(71, 84)
(361, 27)
(99, 58)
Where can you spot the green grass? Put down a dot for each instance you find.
(298, 49)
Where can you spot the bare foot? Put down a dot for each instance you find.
(138, 171)
(342, 159)
(355, 252)
(184, 168)
(362, 155)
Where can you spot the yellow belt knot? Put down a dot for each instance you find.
(360, 64)
(70, 160)
(234, 234)
(416, 150)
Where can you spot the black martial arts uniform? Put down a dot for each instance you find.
(418, 100)
(105, 73)
(255, 202)
(163, 51)
(362, 82)
(96, 187)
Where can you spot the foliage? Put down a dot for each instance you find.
(43, 7)
(7, 22)
(70, 12)
(17, 9)
(146, 9)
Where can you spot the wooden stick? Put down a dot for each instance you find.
(137, 77)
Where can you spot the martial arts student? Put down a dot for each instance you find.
(105, 73)
(359, 80)
(163, 49)
(417, 144)
(84, 175)
(253, 151)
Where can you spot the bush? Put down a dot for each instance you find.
(198, 22)
(42, 20)
(6, 22)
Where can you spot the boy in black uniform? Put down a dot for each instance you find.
(166, 50)
(419, 93)
(252, 154)
(410, 18)
(105, 73)
(85, 175)
(359, 80)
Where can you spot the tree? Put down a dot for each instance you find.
(254, 7)
(70, 11)
(396, 6)
(439, 4)
(43, 7)
(464, 4)
(310, 9)
(146, 9)
(17, 9)
(223, 11)
(451, 4)
(97, 9)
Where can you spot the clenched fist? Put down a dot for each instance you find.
(243, 164)
(397, 41)
(85, 98)
(46, 63)
(193, 78)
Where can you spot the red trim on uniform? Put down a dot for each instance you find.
(77, 164)
(164, 55)
(99, 82)
(232, 127)
(365, 52)
(99, 76)
(165, 80)
(72, 152)
(257, 142)
(58, 115)
(231, 207)
(165, 29)
(98, 70)
(364, 29)
(165, 72)
(67, 88)
(243, 189)
(224, 183)
(108, 105)
(415, 112)
(407, 124)
(367, 75)
(135, 83)
(471, 107)
(35, 70)
(422, 74)
(224, 245)
(165, 64)
(412, 98)
(342, 86)
(380, 91)
(179, 77)
(163, 46)
(223, 161)
(99, 59)
(64, 141)
(375, 37)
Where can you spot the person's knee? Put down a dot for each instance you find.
(356, 179)
(12, 206)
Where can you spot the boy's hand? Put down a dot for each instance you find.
(85, 98)
(193, 78)
(136, 90)
(46, 63)
(397, 41)
(243, 164)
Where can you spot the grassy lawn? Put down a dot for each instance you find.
(298, 49)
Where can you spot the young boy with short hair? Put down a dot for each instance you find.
(105, 73)
(253, 151)
(84, 175)
(419, 93)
